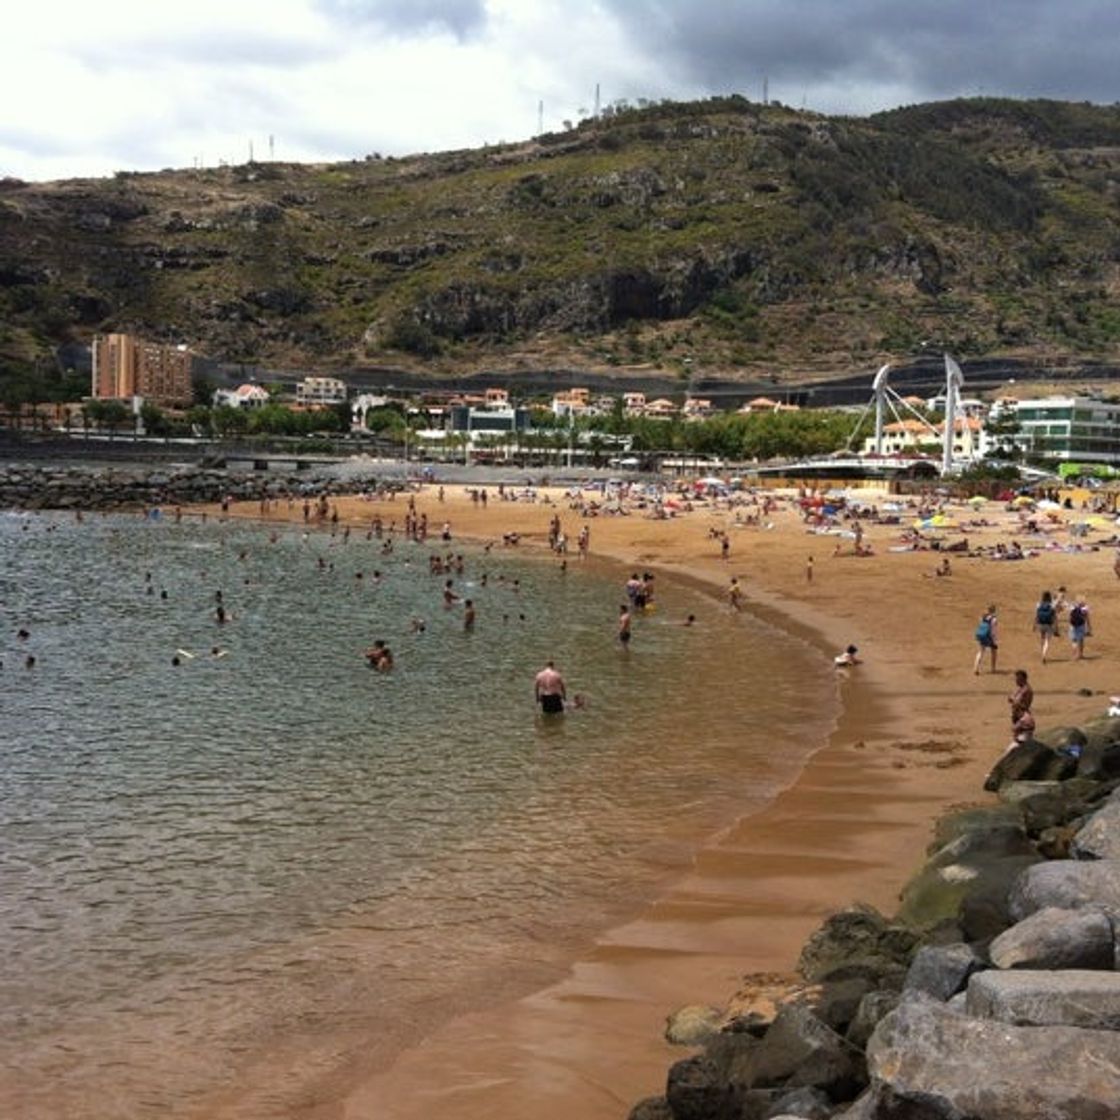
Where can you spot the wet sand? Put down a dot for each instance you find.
(917, 733)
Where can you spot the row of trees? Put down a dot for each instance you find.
(732, 436)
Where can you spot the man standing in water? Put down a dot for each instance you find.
(550, 690)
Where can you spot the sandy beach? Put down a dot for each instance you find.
(918, 731)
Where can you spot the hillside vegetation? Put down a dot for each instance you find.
(725, 236)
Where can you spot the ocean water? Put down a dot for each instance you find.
(206, 869)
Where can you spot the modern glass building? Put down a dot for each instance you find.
(1064, 428)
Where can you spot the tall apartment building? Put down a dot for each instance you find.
(125, 366)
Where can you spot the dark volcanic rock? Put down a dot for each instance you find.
(1068, 885)
(1031, 761)
(1053, 938)
(697, 1091)
(928, 1062)
(856, 941)
(941, 971)
(976, 866)
(1099, 838)
(1069, 997)
(799, 1050)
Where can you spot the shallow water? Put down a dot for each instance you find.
(201, 862)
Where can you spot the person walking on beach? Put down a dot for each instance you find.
(1045, 621)
(1079, 628)
(735, 594)
(550, 690)
(986, 638)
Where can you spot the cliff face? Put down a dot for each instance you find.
(748, 238)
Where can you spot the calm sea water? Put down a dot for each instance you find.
(202, 863)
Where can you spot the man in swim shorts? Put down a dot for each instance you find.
(550, 690)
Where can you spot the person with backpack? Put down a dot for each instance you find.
(1045, 621)
(986, 638)
(1079, 628)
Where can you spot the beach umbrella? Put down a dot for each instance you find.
(711, 481)
(1023, 500)
(1047, 503)
(977, 500)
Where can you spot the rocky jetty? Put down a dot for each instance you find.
(119, 488)
(993, 993)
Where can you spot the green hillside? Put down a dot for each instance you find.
(723, 235)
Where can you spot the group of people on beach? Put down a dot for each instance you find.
(1048, 613)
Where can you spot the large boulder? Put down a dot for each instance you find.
(1095, 745)
(1067, 884)
(1099, 837)
(1073, 997)
(976, 865)
(1057, 804)
(941, 971)
(1031, 761)
(1054, 938)
(873, 1008)
(697, 1091)
(974, 818)
(854, 942)
(929, 1063)
(799, 1050)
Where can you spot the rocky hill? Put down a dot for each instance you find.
(724, 236)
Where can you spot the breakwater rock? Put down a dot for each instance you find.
(116, 488)
(993, 993)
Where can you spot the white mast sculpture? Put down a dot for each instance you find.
(954, 379)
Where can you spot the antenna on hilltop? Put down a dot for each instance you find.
(250, 151)
(271, 148)
(540, 117)
(596, 100)
(765, 89)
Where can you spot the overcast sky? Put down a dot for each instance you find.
(88, 88)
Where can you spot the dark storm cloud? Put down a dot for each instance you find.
(402, 17)
(936, 49)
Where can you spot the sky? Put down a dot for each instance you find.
(93, 88)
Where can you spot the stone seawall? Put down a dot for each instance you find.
(113, 488)
(993, 993)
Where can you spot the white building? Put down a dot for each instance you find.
(1071, 429)
(911, 437)
(321, 390)
(244, 396)
(362, 405)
